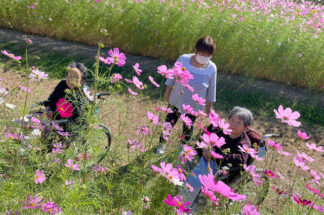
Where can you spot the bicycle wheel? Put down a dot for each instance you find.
(97, 145)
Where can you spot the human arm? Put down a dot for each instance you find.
(211, 91)
(58, 92)
(208, 107)
(167, 93)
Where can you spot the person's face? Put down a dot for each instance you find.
(73, 79)
(237, 125)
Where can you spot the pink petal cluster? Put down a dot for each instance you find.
(187, 154)
(65, 108)
(164, 109)
(166, 130)
(168, 172)
(181, 74)
(250, 151)
(138, 83)
(143, 129)
(17, 58)
(255, 176)
(278, 147)
(32, 203)
(153, 82)
(302, 135)
(114, 78)
(178, 204)
(69, 164)
(199, 100)
(136, 69)
(269, 173)
(313, 146)
(115, 58)
(250, 210)
(300, 160)
(134, 145)
(99, 169)
(315, 191)
(132, 92)
(287, 116)
(186, 120)
(219, 187)
(39, 176)
(153, 118)
(164, 71)
(315, 177)
(37, 75)
(51, 208)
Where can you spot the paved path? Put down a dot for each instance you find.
(225, 81)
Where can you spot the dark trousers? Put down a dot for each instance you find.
(173, 118)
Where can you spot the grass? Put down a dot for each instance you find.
(278, 45)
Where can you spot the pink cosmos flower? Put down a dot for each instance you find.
(134, 145)
(300, 161)
(128, 81)
(138, 83)
(167, 171)
(114, 78)
(143, 129)
(182, 177)
(83, 157)
(182, 74)
(25, 89)
(132, 92)
(39, 176)
(56, 126)
(315, 191)
(164, 71)
(37, 75)
(99, 169)
(210, 194)
(250, 210)
(115, 58)
(153, 82)
(64, 108)
(198, 99)
(297, 198)
(153, 118)
(214, 140)
(17, 58)
(3, 91)
(137, 70)
(269, 173)
(166, 130)
(32, 203)
(164, 109)
(224, 126)
(186, 120)
(190, 88)
(72, 166)
(187, 108)
(178, 204)
(302, 135)
(188, 153)
(315, 177)
(69, 183)
(57, 148)
(255, 176)
(51, 207)
(64, 134)
(314, 147)
(287, 116)
(214, 118)
(220, 187)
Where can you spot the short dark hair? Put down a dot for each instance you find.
(206, 44)
(83, 69)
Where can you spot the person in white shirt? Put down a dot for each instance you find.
(204, 74)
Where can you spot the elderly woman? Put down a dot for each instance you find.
(240, 120)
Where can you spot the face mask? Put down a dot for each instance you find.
(202, 59)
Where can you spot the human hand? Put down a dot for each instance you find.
(206, 154)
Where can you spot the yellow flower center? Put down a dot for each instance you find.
(37, 177)
(32, 204)
(11, 55)
(171, 177)
(180, 170)
(189, 150)
(184, 69)
(61, 109)
(179, 203)
(50, 210)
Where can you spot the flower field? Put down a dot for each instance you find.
(131, 179)
(274, 40)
